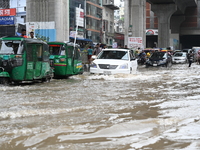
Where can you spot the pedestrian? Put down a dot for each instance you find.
(190, 57)
(23, 33)
(125, 47)
(32, 35)
(97, 49)
(142, 57)
(90, 52)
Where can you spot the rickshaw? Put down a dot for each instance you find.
(65, 59)
(24, 59)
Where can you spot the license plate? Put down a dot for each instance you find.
(155, 64)
(107, 72)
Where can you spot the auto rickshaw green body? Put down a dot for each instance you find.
(24, 59)
(65, 59)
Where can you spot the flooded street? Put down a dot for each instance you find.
(154, 109)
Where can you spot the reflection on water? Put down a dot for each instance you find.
(146, 110)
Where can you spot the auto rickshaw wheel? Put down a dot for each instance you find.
(46, 79)
(5, 81)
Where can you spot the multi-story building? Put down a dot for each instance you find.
(10, 24)
(119, 17)
(4, 4)
(20, 6)
(119, 23)
(93, 20)
(108, 21)
(76, 19)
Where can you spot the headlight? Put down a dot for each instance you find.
(93, 65)
(124, 66)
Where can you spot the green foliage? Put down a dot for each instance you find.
(122, 19)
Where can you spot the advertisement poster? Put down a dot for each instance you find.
(134, 42)
(43, 30)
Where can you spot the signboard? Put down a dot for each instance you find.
(134, 42)
(151, 32)
(79, 17)
(8, 12)
(78, 35)
(7, 20)
(43, 30)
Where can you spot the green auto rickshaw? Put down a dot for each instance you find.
(65, 59)
(24, 59)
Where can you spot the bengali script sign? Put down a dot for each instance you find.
(134, 42)
(8, 12)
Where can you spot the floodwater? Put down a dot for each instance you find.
(154, 109)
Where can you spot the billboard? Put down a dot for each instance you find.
(79, 17)
(7, 20)
(134, 42)
(43, 30)
(8, 12)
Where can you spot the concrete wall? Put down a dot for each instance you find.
(48, 11)
(135, 16)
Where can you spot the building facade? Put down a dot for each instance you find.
(93, 20)
(108, 22)
(48, 19)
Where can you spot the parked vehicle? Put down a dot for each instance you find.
(65, 59)
(113, 61)
(179, 57)
(24, 59)
(159, 59)
(195, 51)
(187, 50)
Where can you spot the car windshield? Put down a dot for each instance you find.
(179, 54)
(114, 54)
(11, 47)
(57, 49)
(159, 55)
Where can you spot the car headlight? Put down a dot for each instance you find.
(124, 66)
(93, 65)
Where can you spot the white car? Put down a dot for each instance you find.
(179, 57)
(114, 61)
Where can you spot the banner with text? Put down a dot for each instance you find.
(134, 42)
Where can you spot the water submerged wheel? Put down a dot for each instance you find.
(46, 79)
(5, 81)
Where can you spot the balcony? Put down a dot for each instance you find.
(110, 6)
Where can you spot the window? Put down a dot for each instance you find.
(11, 47)
(39, 52)
(29, 52)
(45, 53)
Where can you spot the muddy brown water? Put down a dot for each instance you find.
(97, 112)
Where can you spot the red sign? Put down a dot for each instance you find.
(8, 12)
(81, 14)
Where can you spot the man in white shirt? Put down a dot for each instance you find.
(32, 35)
